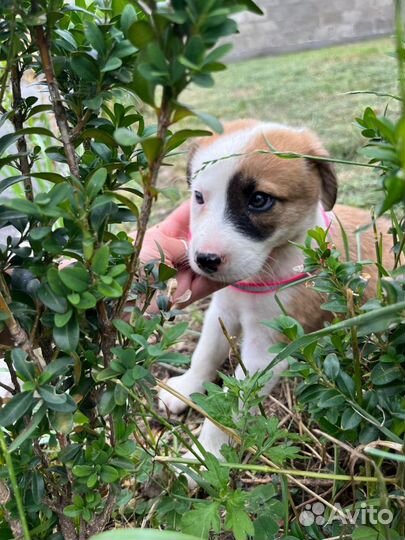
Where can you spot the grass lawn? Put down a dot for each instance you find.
(308, 89)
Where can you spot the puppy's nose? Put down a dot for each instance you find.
(208, 262)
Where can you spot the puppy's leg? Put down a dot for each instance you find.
(255, 357)
(211, 352)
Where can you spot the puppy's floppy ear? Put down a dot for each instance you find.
(327, 173)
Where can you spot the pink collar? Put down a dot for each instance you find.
(265, 287)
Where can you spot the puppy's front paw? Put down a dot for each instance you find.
(211, 439)
(184, 384)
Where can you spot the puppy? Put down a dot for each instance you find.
(248, 206)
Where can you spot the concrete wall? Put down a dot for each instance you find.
(289, 25)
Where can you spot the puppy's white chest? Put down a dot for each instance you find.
(251, 310)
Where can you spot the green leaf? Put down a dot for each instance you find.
(49, 176)
(62, 422)
(82, 471)
(28, 430)
(95, 37)
(366, 533)
(166, 272)
(56, 368)
(152, 148)
(109, 474)
(107, 402)
(85, 67)
(25, 369)
(143, 88)
(99, 135)
(183, 135)
(67, 337)
(51, 300)
(124, 200)
(10, 181)
(123, 327)
(140, 33)
(331, 366)
(385, 374)
(237, 519)
(110, 291)
(173, 333)
(74, 298)
(61, 319)
(330, 398)
(120, 395)
(112, 64)
(208, 119)
(55, 283)
(202, 520)
(18, 405)
(361, 321)
(251, 6)
(38, 487)
(216, 475)
(350, 419)
(75, 277)
(49, 395)
(126, 137)
(95, 182)
(11, 138)
(100, 260)
(39, 233)
(128, 13)
(265, 527)
(86, 301)
(218, 53)
(24, 206)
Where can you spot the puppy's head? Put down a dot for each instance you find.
(246, 203)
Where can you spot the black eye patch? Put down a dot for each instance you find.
(242, 196)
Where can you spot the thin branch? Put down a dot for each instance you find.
(67, 527)
(56, 100)
(76, 131)
(20, 338)
(18, 122)
(7, 388)
(149, 195)
(101, 520)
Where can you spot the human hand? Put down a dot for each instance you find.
(171, 235)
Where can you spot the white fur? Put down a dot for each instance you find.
(242, 258)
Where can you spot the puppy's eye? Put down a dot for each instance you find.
(199, 197)
(260, 202)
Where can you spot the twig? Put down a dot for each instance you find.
(100, 521)
(68, 529)
(149, 195)
(7, 388)
(56, 99)
(18, 122)
(76, 131)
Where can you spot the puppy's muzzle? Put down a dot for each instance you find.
(208, 262)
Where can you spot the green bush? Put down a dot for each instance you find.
(79, 364)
